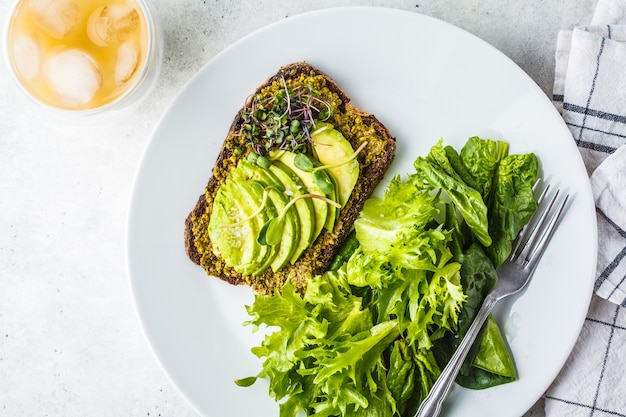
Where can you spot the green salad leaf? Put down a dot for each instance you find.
(512, 202)
(467, 200)
(489, 362)
(481, 158)
(370, 336)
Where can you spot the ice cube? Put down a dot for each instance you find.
(74, 76)
(112, 24)
(55, 17)
(127, 58)
(26, 56)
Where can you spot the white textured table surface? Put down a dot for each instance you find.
(70, 341)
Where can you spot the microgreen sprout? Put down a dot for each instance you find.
(320, 130)
(259, 160)
(272, 231)
(284, 121)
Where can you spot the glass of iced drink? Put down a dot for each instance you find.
(83, 56)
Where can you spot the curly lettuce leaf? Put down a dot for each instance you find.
(410, 268)
(299, 326)
(325, 358)
(404, 207)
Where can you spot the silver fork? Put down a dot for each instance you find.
(513, 275)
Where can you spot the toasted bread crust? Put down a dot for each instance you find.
(373, 163)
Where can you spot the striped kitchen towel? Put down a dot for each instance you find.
(590, 92)
(593, 381)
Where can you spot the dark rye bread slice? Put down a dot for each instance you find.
(356, 126)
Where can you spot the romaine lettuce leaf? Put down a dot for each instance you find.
(492, 190)
(466, 199)
(512, 202)
(481, 157)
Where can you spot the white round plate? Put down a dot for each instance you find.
(424, 79)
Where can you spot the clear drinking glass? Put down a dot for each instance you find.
(84, 57)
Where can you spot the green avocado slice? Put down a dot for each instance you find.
(304, 206)
(291, 231)
(237, 243)
(320, 207)
(332, 148)
(233, 243)
(242, 177)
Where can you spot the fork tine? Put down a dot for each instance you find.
(537, 220)
(543, 230)
(543, 194)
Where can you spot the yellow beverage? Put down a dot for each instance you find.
(78, 54)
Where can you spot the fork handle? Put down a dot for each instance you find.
(431, 406)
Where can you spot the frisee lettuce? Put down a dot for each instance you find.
(369, 337)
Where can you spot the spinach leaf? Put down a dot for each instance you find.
(412, 372)
(345, 252)
(478, 277)
(493, 355)
(489, 362)
(505, 183)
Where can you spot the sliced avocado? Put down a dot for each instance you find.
(332, 148)
(237, 244)
(291, 232)
(320, 207)
(250, 171)
(242, 177)
(267, 253)
(304, 206)
(232, 243)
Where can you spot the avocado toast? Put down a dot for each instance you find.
(293, 173)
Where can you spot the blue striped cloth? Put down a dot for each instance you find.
(590, 92)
